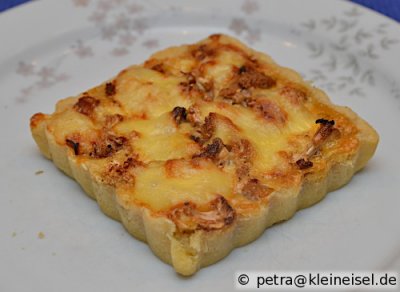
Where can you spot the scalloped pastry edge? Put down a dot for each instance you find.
(202, 248)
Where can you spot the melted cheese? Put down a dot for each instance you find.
(145, 99)
(158, 139)
(147, 92)
(267, 138)
(156, 188)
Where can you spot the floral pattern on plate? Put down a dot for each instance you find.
(344, 62)
(355, 48)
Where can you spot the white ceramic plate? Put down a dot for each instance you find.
(52, 49)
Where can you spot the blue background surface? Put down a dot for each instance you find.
(390, 8)
(6, 4)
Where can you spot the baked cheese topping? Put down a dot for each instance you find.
(202, 133)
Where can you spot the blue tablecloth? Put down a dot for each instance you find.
(389, 8)
(6, 4)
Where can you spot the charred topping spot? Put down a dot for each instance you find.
(199, 86)
(154, 64)
(130, 162)
(204, 131)
(236, 95)
(242, 69)
(228, 147)
(108, 146)
(224, 209)
(250, 77)
(229, 92)
(324, 131)
(212, 150)
(191, 79)
(195, 138)
(208, 128)
(207, 87)
(110, 89)
(270, 110)
(243, 152)
(189, 86)
(325, 122)
(159, 68)
(188, 218)
(179, 114)
(203, 51)
(304, 164)
(121, 173)
(183, 216)
(243, 149)
(242, 171)
(246, 77)
(86, 105)
(254, 190)
(112, 120)
(74, 145)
